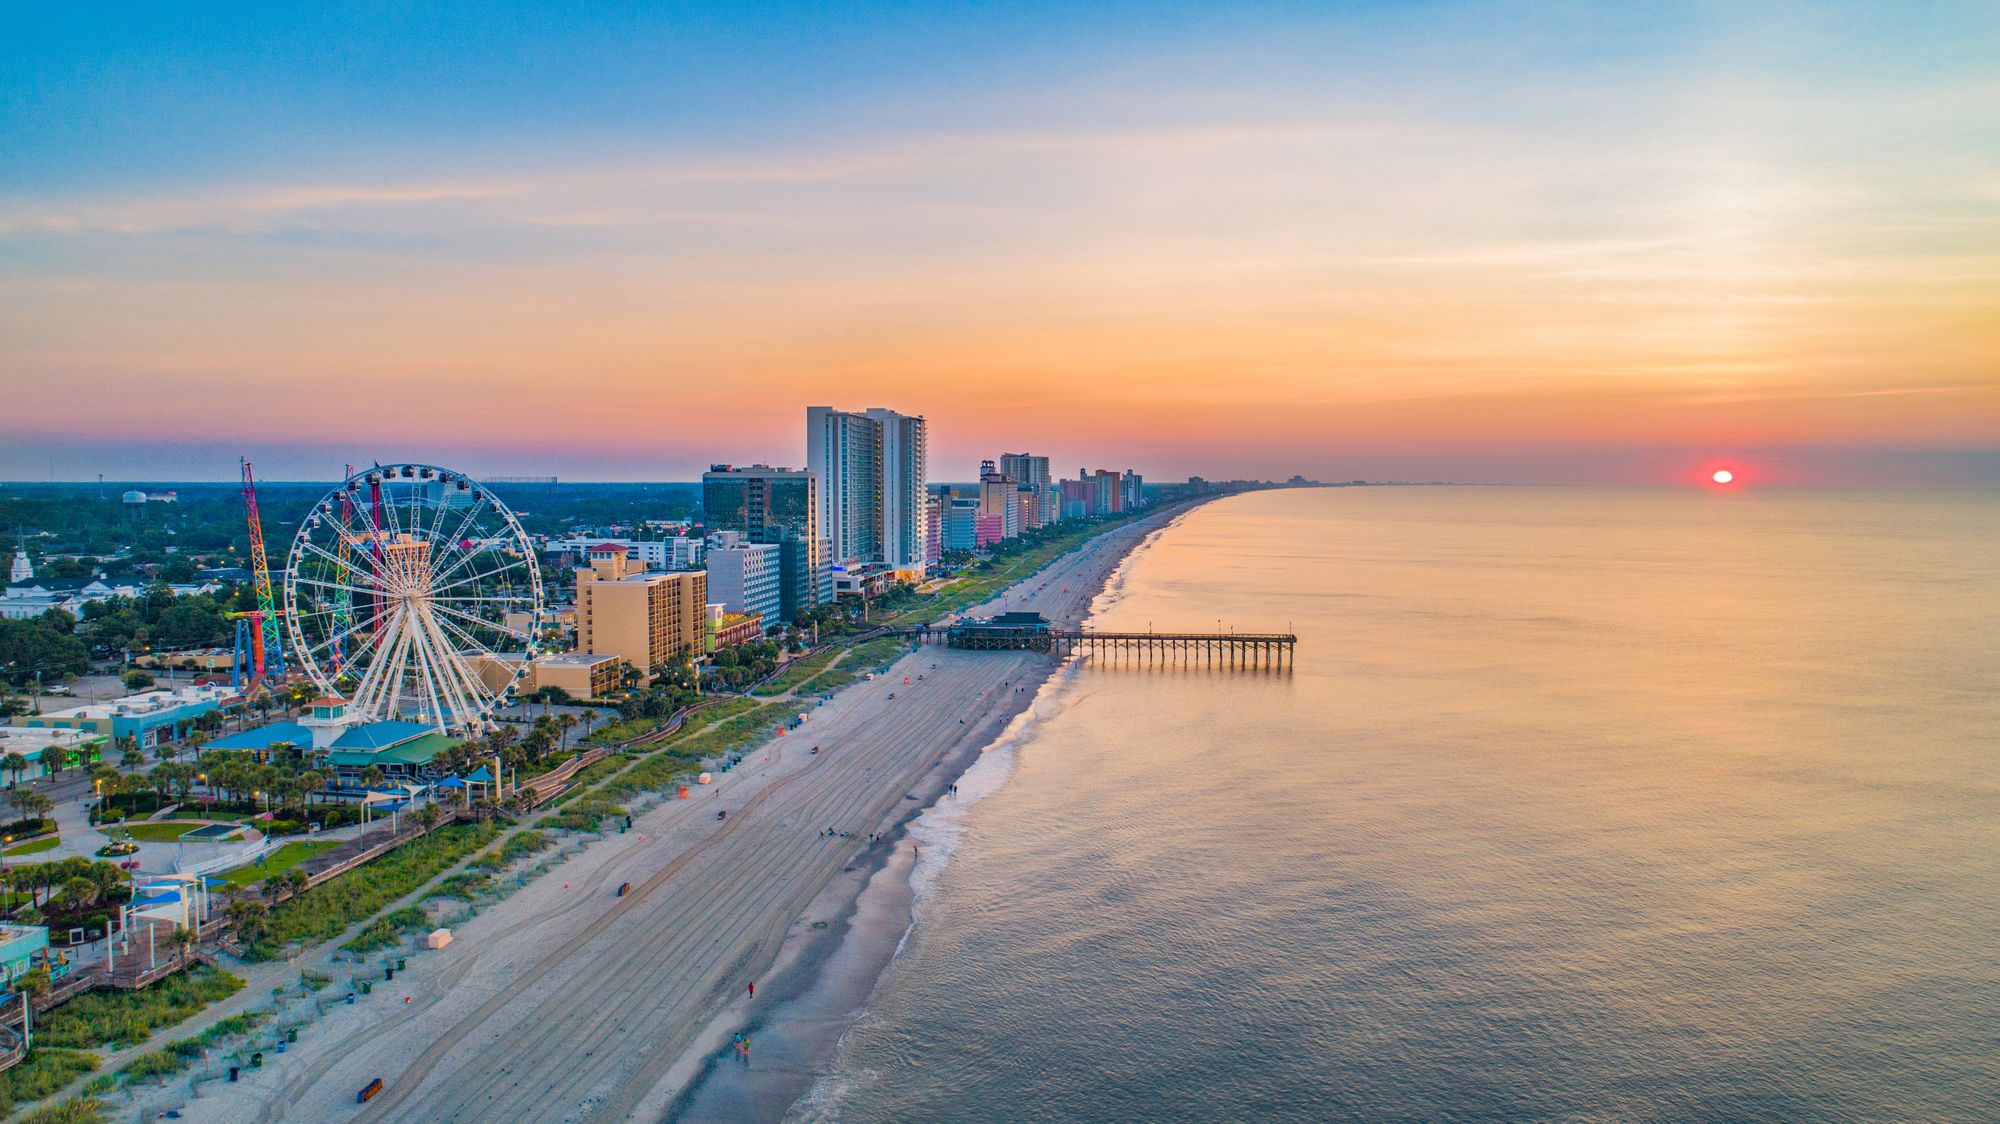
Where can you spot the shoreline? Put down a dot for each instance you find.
(828, 971)
(590, 1005)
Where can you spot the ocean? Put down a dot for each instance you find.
(1580, 805)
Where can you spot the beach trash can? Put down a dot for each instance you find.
(291, 1034)
(402, 962)
(233, 1073)
(367, 986)
(257, 1060)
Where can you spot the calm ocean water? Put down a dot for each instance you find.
(1580, 805)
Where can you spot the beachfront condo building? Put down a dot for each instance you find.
(872, 468)
(779, 506)
(998, 492)
(744, 577)
(649, 620)
(1032, 472)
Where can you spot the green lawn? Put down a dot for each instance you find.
(284, 858)
(37, 847)
(167, 832)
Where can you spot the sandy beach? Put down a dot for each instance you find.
(567, 1002)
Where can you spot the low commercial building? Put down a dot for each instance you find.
(402, 750)
(866, 582)
(727, 630)
(196, 659)
(22, 950)
(581, 674)
(151, 719)
(78, 747)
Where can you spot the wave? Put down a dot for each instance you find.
(938, 832)
(941, 829)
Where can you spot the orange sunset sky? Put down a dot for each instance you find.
(1475, 241)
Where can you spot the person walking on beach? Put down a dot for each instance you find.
(753, 989)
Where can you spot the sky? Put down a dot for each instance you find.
(1547, 242)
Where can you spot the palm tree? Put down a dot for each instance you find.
(184, 940)
(371, 776)
(247, 917)
(55, 759)
(566, 722)
(16, 764)
(80, 892)
(33, 804)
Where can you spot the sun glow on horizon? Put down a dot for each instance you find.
(1723, 476)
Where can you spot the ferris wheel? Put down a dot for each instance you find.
(412, 592)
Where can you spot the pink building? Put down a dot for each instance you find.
(987, 530)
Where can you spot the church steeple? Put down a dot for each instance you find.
(23, 569)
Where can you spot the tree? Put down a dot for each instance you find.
(429, 816)
(55, 759)
(184, 940)
(130, 755)
(566, 722)
(248, 918)
(136, 680)
(371, 776)
(80, 892)
(16, 764)
(33, 803)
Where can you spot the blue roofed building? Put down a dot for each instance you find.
(403, 751)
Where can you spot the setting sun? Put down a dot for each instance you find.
(1723, 476)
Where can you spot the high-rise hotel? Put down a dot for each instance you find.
(872, 468)
(778, 506)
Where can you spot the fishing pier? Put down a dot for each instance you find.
(1017, 632)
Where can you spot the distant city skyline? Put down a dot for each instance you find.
(1479, 241)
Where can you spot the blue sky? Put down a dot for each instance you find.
(1205, 238)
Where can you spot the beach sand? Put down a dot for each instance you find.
(566, 1002)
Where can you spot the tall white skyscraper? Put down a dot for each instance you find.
(873, 469)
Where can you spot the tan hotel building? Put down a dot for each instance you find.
(648, 620)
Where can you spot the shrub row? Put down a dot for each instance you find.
(389, 928)
(127, 1018)
(323, 911)
(41, 1073)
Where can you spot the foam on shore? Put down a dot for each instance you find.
(803, 1069)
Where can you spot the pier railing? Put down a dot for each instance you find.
(1245, 650)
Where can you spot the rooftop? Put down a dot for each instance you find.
(149, 702)
(575, 659)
